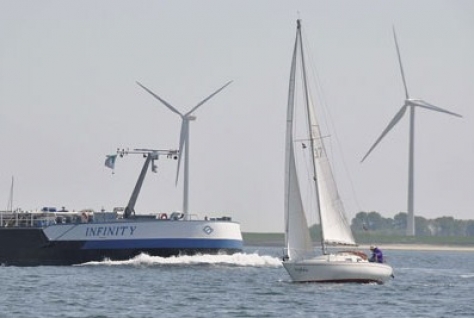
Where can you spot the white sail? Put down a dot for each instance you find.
(334, 226)
(297, 237)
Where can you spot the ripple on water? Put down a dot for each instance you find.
(247, 285)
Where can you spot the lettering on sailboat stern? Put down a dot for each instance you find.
(208, 229)
(110, 231)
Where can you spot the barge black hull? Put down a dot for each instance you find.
(30, 247)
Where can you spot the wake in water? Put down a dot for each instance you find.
(235, 260)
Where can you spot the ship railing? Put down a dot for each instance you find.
(37, 219)
(28, 221)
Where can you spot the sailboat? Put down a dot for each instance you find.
(300, 260)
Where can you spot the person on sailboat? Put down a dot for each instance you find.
(377, 255)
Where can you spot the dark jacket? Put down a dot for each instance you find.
(377, 256)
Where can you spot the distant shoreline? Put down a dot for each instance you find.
(414, 247)
(435, 247)
(277, 240)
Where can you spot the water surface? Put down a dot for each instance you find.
(252, 284)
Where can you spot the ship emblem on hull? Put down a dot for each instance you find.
(208, 229)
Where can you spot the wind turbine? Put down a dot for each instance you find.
(184, 140)
(411, 104)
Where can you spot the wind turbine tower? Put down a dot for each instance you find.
(184, 141)
(408, 104)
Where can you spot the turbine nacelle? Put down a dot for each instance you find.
(411, 101)
(189, 117)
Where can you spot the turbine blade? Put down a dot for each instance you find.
(400, 62)
(208, 98)
(182, 144)
(392, 123)
(432, 107)
(161, 100)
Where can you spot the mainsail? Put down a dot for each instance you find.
(297, 237)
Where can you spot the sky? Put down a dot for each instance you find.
(68, 98)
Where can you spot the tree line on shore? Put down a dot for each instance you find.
(370, 228)
(375, 223)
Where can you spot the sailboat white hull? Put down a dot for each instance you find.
(338, 268)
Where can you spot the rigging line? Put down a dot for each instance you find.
(325, 108)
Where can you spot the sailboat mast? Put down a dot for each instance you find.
(311, 135)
